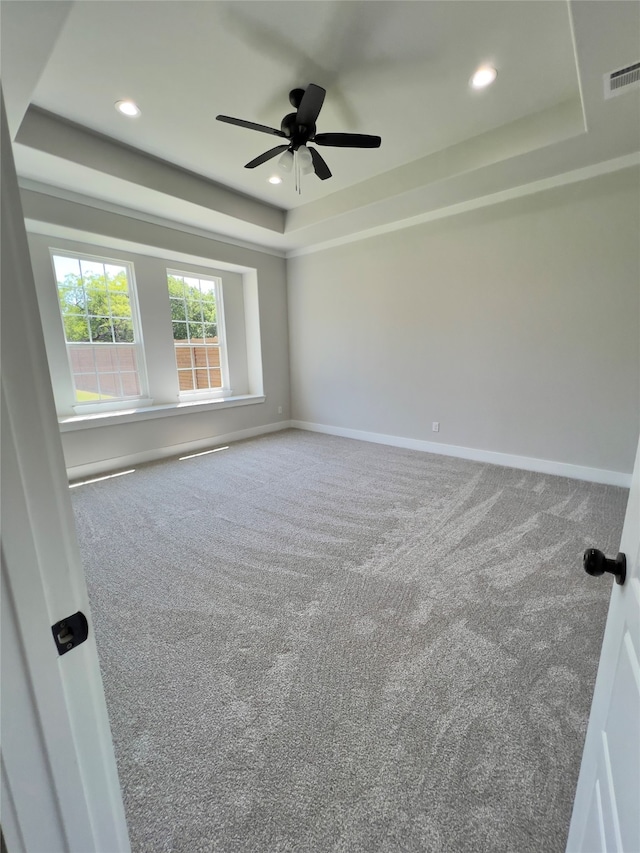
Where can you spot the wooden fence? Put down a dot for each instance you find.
(111, 369)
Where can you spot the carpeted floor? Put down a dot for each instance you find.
(310, 643)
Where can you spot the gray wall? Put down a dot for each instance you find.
(515, 326)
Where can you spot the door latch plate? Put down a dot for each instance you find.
(70, 632)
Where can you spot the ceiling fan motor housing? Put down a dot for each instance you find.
(297, 133)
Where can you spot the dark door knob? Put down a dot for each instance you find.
(596, 564)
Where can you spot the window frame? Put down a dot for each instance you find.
(96, 406)
(224, 390)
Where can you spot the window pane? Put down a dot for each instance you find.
(211, 332)
(185, 379)
(213, 356)
(175, 284)
(123, 330)
(91, 269)
(126, 358)
(87, 388)
(215, 378)
(66, 266)
(82, 359)
(97, 301)
(106, 359)
(196, 332)
(76, 327)
(178, 309)
(96, 296)
(200, 356)
(119, 304)
(110, 384)
(101, 329)
(184, 357)
(72, 296)
(209, 308)
(194, 310)
(202, 379)
(116, 276)
(94, 282)
(130, 384)
(180, 332)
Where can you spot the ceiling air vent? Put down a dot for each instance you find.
(622, 80)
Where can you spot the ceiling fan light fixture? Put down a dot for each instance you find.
(128, 108)
(285, 161)
(305, 161)
(484, 76)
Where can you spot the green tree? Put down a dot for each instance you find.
(96, 308)
(193, 311)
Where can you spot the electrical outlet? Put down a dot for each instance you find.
(279, 410)
(435, 426)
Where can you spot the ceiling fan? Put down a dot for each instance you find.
(298, 129)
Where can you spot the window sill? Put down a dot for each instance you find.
(125, 416)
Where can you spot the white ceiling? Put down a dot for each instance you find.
(397, 69)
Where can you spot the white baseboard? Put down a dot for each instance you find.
(105, 466)
(527, 463)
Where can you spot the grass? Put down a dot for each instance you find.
(87, 396)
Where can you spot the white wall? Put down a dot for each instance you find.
(515, 326)
(91, 449)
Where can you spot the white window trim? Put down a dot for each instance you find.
(143, 398)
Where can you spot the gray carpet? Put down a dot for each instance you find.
(310, 643)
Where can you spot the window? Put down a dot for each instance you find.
(100, 326)
(198, 337)
(135, 335)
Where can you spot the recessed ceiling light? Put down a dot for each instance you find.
(275, 179)
(484, 76)
(128, 108)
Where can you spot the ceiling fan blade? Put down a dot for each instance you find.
(273, 152)
(310, 105)
(251, 125)
(347, 140)
(321, 168)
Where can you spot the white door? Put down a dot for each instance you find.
(59, 785)
(606, 811)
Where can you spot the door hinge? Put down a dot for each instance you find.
(70, 632)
